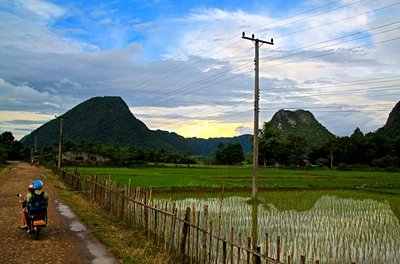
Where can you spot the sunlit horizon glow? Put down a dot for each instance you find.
(208, 129)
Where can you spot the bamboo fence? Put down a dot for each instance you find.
(185, 232)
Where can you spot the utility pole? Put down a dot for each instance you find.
(257, 44)
(59, 145)
(34, 151)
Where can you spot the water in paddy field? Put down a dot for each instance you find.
(334, 230)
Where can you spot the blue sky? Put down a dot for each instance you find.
(182, 66)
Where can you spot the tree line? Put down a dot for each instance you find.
(275, 149)
(372, 150)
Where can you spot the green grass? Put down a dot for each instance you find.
(241, 177)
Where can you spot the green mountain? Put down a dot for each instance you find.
(301, 123)
(392, 126)
(108, 120)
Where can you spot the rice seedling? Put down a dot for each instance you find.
(334, 230)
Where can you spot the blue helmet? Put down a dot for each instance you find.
(37, 184)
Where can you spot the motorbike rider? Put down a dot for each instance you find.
(24, 204)
(35, 188)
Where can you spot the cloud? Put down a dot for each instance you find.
(15, 97)
(22, 123)
(195, 69)
(18, 33)
(40, 9)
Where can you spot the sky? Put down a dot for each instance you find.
(182, 66)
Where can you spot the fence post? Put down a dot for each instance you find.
(278, 248)
(231, 245)
(184, 234)
(239, 243)
(95, 189)
(192, 246)
(122, 205)
(148, 218)
(145, 219)
(224, 251)
(302, 259)
(210, 243)
(248, 249)
(204, 237)
(258, 258)
(164, 236)
(135, 209)
(173, 224)
(156, 235)
(197, 237)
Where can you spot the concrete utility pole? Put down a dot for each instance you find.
(34, 151)
(257, 44)
(60, 144)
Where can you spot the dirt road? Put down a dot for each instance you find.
(64, 240)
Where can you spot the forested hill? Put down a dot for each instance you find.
(303, 124)
(392, 126)
(108, 120)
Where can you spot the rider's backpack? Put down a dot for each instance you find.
(37, 203)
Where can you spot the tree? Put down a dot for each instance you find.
(296, 147)
(268, 144)
(229, 154)
(10, 149)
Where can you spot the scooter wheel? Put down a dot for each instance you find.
(36, 233)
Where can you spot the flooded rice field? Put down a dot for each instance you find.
(334, 230)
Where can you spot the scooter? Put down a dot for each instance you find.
(35, 221)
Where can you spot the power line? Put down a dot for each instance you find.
(248, 112)
(157, 79)
(338, 38)
(336, 21)
(316, 15)
(332, 52)
(187, 88)
(221, 74)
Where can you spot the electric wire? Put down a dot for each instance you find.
(332, 92)
(220, 74)
(185, 63)
(330, 53)
(183, 90)
(336, 21)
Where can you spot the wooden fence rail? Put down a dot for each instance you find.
(186, 232)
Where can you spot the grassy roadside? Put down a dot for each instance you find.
(127, 245)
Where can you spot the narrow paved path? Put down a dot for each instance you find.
(64, 240)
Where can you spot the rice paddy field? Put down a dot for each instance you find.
(206, 178)
(333, 216)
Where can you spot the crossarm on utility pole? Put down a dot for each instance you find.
(258, 40)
